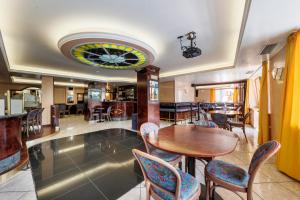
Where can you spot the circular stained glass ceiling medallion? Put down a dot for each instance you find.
(107, 50)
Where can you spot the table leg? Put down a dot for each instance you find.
(191, 166)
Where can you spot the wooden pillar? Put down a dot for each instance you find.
(148, 95)
(47, 98)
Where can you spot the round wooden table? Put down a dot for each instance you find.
(195, 142)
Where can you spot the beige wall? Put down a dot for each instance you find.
(60, 94)
(276, 93)
(167, 91)
(47, 98)
(203, 96)
(13, 86)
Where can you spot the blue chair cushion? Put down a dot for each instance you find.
(189, 186)
(166, 156)
(228, 173)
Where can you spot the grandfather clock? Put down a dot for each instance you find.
(148, 95)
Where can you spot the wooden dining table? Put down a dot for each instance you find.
(227, 112)
(194, 142)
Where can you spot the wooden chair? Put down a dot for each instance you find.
(39, 118)
(107, 114)
(163, 181)
(62, 110)
(79, 108)
(239, 124)
(207, 124)
(68, 110)
(94, 115)
(234, 178)
(145, 130)
(203, 115)
(220, 120)
(30, 121)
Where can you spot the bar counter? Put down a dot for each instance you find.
(11, 147)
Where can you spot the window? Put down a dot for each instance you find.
(224, 95)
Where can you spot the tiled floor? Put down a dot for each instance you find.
(269, 182)
(97, 165)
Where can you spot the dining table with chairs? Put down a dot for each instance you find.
(202, 140)
(194, 142)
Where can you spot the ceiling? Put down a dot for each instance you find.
(32, 29)
(230, 33)
(269, 21)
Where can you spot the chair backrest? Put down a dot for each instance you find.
(206, 123)
(32, 115)
(246, 117)
(79, 106)
(160, 174)
(239, 108)
(40, 112)
(62, 107)
(145, 130)
(263, 153)
(203, 114)
(109, 110)
(219, 119)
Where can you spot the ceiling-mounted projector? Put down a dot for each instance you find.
(192, 50)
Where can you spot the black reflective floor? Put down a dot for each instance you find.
(97, 165)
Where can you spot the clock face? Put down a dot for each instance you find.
(109, 55)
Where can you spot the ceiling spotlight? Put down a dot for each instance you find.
(192, 50)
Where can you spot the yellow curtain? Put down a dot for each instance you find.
(263, 131)
(212, 96)
(235, 95)
(246, 108)
(289, 156)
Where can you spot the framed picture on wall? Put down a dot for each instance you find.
(70, 96)
(80, 98)
(154, 90)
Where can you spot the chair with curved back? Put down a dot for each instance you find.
(203, 115)
(145, 130)
(79, 108)
(163, 181)
(234, 178)
(220, 120)
(206, 123)
(239, 124)
(62, 109)
(94, 115)
(31, 121)
(39, 118)
(107, 114)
